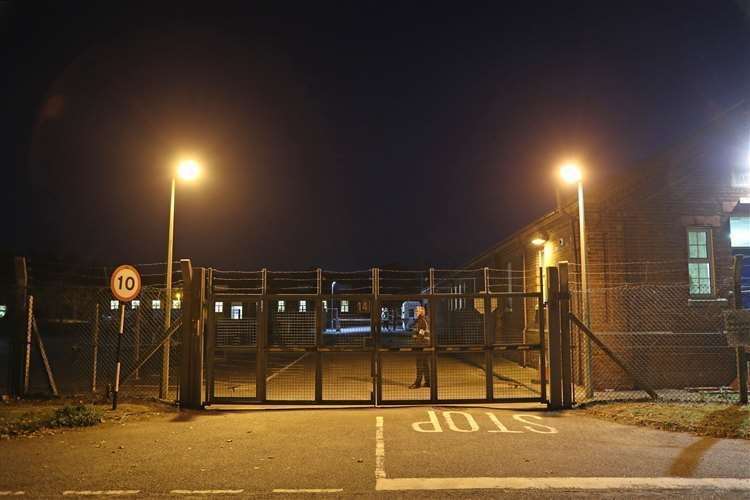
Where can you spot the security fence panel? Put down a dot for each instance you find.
(398, 371)
(233, 364)
(512, 380)
(290, 376)
(462, 375)
(292, 323)
(398, 318)
(347, 376)
(79, 329)
(347, 322)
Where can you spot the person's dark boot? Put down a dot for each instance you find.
(426, 384)
(415, 385)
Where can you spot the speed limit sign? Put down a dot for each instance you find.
(125, 283)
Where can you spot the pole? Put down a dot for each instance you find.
(119, 348)
(740, 351)
(587, 375)
(27, 353)
(95, 348)
(555, 339)
(164, 384)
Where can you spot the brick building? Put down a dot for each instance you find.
(660, 243)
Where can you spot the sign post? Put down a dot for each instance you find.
(126, 285)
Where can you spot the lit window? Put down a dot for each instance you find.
(236, 311)
(114, 305)
(218, 307)
(135, 304)
(325, 305)
(3, 310)
(699, 261)
(156, 304)
(302, 306)
(176, 303)
(739, 232)
(344, 306)
(281, 306)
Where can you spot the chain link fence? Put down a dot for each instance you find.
(79, 327)
(663, 336)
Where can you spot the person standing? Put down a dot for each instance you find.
(421, 336)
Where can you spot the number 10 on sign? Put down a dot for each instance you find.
(126, 285)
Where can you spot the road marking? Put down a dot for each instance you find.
(309, 490)
(81, 493)
(568, 483)
(12, 493)
(287, 367)
(448, 416)
(434, 422)
(379, 449)
(206, 492)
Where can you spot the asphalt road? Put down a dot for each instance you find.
(391, 452)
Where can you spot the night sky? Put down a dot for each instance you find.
(341, 135)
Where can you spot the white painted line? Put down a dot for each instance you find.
(287, 367)
(567, 483)
(309, 490)
(206, 492)
(12, 493)
(379, 449)
(99, 493)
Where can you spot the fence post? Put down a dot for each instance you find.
(319, 336)
(567, 364)
(489, 337)
(191, 357)
(27, 346)
(261, 339)
(95, 349)
(555, 358)
(375, 326)
(740, 351)
(137, 342)
(18, 326)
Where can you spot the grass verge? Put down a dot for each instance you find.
(37, 417)
(703, 419)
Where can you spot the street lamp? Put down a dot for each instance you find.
(571, 173)
(187, 170)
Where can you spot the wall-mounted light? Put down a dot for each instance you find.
(539, 238)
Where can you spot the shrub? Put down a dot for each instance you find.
(75, 416)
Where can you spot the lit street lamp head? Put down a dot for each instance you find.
(188, 170)
(571, 172)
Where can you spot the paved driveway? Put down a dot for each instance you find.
(424, 451)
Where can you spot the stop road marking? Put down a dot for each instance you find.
(461, 421)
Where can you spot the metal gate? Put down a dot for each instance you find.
(347, 338)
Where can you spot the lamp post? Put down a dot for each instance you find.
(333, 326)
(187, 170)
(571, 173)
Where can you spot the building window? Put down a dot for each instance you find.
(739, 232)
(344, 306)
(218, 307)
(325, 305)
(3, 310)
(281, 306)
(135, 304)
(176, 303)
(302, 306)
(236, 311)
(114, 305)
(699, 261)
(156, 304)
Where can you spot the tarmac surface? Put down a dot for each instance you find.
(424, 452)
